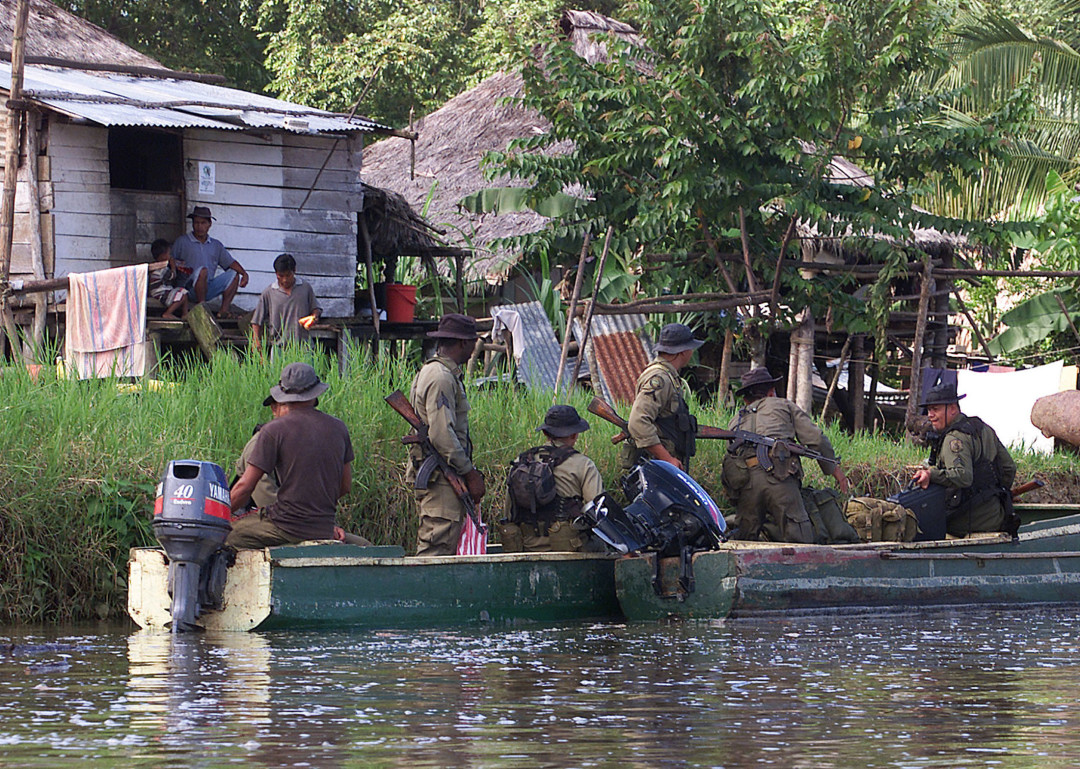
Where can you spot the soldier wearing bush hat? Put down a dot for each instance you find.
(968, 458)
(768, 495)
(438, 397)
(660, 423)
(532, 525)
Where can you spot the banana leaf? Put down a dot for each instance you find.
(1034, 320)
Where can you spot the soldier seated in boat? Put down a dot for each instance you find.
(547, 487)
(969, 460)
(768, 500)
(311, 454)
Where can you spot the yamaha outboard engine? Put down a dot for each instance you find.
(191, 521)
(670, 514)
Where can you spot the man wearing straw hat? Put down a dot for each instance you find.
(438, 397)
(660, 423)
(203, 255)
(968, 458)
(310, 452)
(768, 501)
(534, 527)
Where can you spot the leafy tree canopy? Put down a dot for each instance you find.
(740, 107)
(191, 35)
(393, 57)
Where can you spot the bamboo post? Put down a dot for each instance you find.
(725, 368)
(570, 316)
(914, 394)
(844, 352)
(370, 271)
(11, 164)
(592, 306)
(33, 142)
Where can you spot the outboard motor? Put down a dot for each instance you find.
(670, 514)
(191, 521)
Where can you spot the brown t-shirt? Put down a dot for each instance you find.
(308, 449)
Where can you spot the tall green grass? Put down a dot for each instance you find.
(79, 462)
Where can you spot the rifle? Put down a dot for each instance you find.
(432, 459)
(1024, 488)
(764, 443)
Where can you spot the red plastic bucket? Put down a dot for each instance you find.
(400, 303)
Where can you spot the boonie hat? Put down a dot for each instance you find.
(202, 211)
(675, 338)
(454, 325)
(756, 376)
(561, 421)
(941, 395)
(298, 382)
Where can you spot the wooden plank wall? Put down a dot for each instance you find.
(21, 266)
(260, 183)
(79, 165)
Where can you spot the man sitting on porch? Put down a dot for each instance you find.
(204, 254)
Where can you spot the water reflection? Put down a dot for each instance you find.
(963, 689)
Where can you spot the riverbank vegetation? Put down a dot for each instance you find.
(79, 463)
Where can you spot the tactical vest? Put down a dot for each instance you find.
(985, 475)
(681, 429)
(529, 474)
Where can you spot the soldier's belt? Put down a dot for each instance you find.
(752, 462)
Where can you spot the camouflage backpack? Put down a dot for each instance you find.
(878, 520)
(531, 482)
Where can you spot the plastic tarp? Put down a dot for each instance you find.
(1004, 401)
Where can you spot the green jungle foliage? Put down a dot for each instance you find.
(737, 109)
(79, 463)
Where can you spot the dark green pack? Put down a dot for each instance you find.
(827, 517)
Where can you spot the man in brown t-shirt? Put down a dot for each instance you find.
(311, 453)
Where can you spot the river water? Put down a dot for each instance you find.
(966, 688)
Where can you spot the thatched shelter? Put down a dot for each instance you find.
(52, 32)
(454, 139)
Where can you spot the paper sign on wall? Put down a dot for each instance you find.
(207, 173)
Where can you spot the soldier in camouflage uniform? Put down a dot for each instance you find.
(577, 481)
(660, 424)
(768, 503)
(438, 396)
(967, 458)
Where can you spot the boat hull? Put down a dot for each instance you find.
(333, 585)
(745, 579)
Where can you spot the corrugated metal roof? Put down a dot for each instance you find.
(112, 99)
(536, 348)
(617, 351)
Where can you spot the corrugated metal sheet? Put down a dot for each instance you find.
(617, 351)
(536, 347)
(620, 359)
(112, 99)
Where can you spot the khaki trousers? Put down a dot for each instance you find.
(441, 519)
(253, 532)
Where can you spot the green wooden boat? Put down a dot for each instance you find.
(335, 585)
(1042, 566)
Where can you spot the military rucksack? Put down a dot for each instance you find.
(879, 520)
(531, 482)
(827, 517)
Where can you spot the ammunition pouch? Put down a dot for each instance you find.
(680, 429)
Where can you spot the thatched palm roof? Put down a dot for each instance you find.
(455, 138)
(55, 33)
